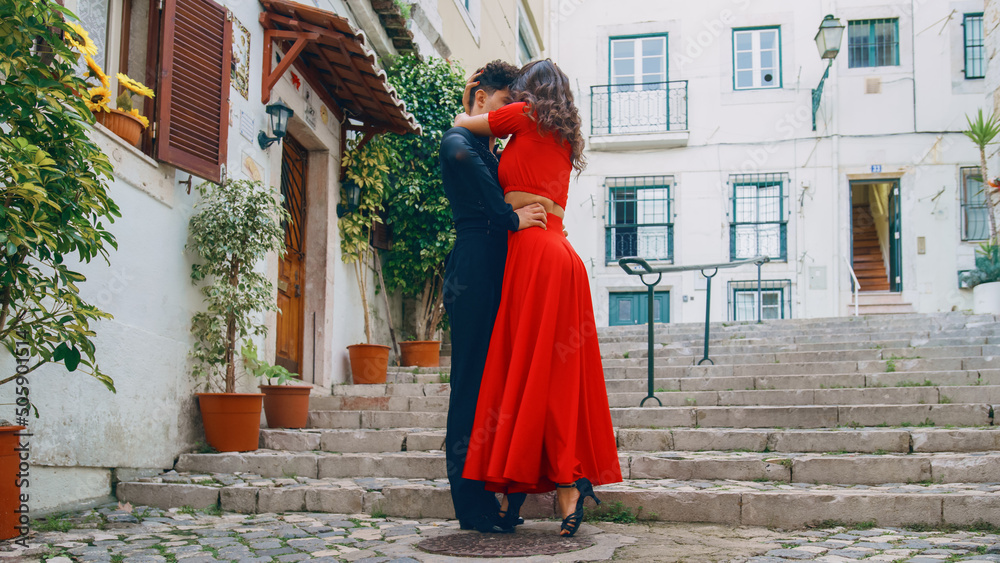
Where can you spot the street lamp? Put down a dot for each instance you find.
(279, 114)
(828, 39)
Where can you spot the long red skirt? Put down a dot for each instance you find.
(542, 416)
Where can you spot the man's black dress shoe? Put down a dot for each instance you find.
(486, 525)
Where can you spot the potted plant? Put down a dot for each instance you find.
(419, 210)
(125, 120)
(985, 279)
(236, 224)
(285, 405)
(56, 215)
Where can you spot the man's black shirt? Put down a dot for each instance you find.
(469, 172)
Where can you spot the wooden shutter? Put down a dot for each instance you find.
(193, 87)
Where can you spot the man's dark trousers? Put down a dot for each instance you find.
(473, 280)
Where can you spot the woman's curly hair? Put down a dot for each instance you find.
(547, 91)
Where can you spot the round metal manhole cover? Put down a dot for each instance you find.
(520, 544)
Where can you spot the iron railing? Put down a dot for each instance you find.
(649, 107)
(641, 268)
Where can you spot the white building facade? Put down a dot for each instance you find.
(702, 150)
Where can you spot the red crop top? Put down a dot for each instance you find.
(532, 163)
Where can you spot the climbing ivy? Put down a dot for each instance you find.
(417, 208)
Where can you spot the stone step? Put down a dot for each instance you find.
(690, 355)
(740, 345)
(802, 416)
(850, 380)
(811, 416)
(745, 503)
(860, 324)
(957, 378)
(637, 382)
(856, 440)
(846, 370)
(844, 335)
(833, 468)
(913, 393)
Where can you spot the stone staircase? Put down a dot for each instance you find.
(886, 418)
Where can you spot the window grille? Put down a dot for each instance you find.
(975, 222)
(975, 65)
(758, 221)
(640, 218)
(872, 43)
(775, 297)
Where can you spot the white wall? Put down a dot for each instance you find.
(84, 433)
(770, 131)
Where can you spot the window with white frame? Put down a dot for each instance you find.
(639, 62)
(757, 58)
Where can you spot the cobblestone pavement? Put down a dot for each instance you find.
(125, 534)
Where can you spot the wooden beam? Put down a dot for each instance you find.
(269, 79)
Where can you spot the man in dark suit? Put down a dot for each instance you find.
(473, 279)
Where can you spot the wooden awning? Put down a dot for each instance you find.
(331, 55)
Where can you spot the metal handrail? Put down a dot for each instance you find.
(857, 284)
(627, 265)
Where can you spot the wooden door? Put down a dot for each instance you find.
(291, 270)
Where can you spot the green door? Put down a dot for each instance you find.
(632, 308)
(895, 242)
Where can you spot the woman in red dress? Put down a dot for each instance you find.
(542, 420)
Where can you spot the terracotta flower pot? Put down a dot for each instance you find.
(10, 492)
(369, 363)
(232, 420)
(286, 406)
(121, 123)
(420, 353)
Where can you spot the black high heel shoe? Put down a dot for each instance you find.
(511, 517)
(571, 523)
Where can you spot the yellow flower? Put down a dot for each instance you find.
(135, 113)
(97, 72)
(98, 98)
(134, 86)
(87, 47)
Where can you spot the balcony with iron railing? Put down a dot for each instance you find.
(639, 116)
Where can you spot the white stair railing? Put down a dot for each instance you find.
(857, 285)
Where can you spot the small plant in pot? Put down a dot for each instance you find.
(286, 405)
(235, 226)
(366, 164)
(985, 279)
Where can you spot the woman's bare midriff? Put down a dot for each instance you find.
(520, 199)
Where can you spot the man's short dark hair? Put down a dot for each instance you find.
(496, 75)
